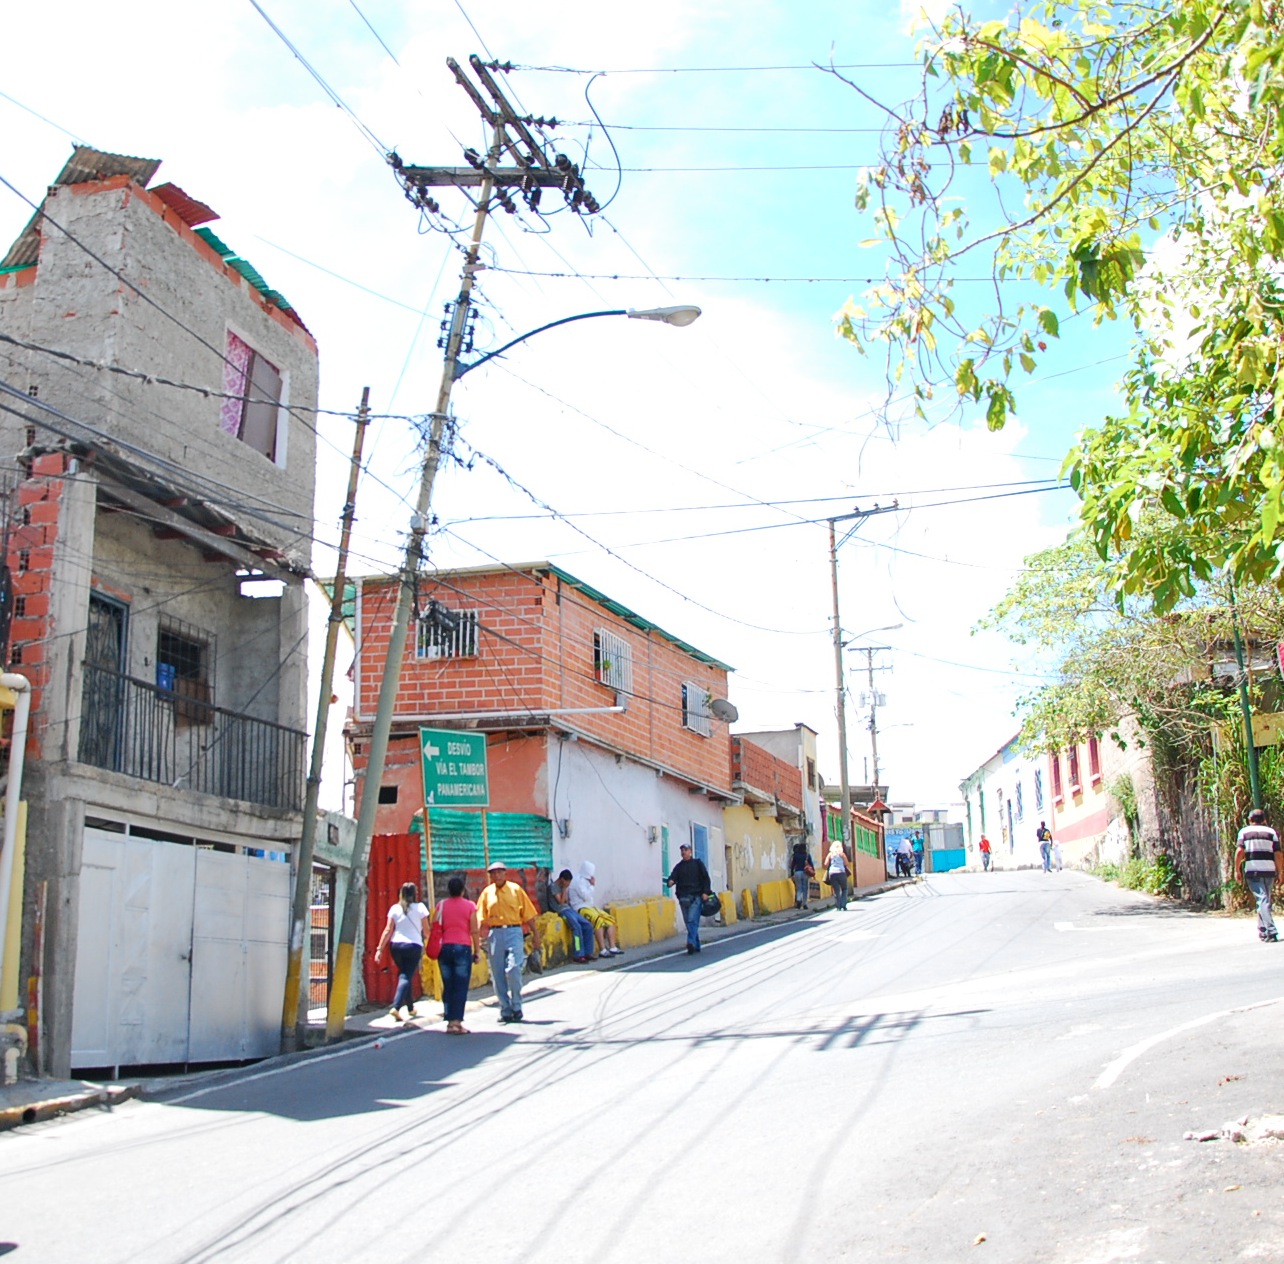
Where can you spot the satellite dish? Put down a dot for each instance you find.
(724, 710)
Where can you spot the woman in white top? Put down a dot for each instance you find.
(403, 936)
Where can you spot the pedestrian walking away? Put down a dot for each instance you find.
(690, 883)
(1259, 865)
(460, 950)
(504, 911)
(836, 871)
(403, 939)
(985, 853)
(559, 901)
(1044, 835)
(801, 870)
(583, 896)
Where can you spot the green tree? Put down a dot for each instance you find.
(1122, 162)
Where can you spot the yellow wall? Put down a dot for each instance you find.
(758, 849)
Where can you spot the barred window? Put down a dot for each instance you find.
(1038, 790)
(446, 633)
(613, 660)
(695, 708)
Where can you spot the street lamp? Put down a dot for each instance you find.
(679, 316)
(377, 750)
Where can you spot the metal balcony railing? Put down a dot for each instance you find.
(171, 737)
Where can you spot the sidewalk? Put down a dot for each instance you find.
(35, 1100)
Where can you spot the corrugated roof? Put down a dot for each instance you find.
(84, 165)
(215, 242)
(188, 209)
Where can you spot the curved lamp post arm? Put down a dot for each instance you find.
(669, 315)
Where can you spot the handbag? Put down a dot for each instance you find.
(710, 906)
(436, 932)
(809, 870)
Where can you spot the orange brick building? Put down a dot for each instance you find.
(598, 722)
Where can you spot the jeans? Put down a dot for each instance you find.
(985, 860)
(507, 952)
(406, 958)
(581, 933)
(918, 862)
(690, 905)
(1260, 885)
(1045, 853)
(838, 881)
(456, 966)
(802, 887)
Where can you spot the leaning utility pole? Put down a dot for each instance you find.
(840, 676)
(294, 1009)
(532, 171)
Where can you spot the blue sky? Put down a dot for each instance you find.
(733, 169)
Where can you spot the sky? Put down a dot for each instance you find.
(690, 470)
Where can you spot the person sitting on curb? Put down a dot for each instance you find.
(559, 901)
(581, 895)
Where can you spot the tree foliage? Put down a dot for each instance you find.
(1120, 162)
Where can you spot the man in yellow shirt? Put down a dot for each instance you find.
(504, 911)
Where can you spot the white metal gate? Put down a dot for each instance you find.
(181, 953)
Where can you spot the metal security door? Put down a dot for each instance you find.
(133, 952)
(103, 691)
(700, 842)
(240, 936)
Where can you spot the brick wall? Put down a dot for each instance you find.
(762, 770)
(535, 654)
(30, 558)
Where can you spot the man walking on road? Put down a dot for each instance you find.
(1044, 835)
(985, 852)
(504, 910)
(690, 883)
(1259, 864)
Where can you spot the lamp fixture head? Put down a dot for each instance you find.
(680, 316)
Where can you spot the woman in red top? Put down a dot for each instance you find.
(460, 945)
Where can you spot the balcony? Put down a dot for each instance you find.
(166, 736)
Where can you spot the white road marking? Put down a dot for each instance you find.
(1116, 1068)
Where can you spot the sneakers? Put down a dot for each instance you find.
(614, 952)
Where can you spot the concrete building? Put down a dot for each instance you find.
(159, 420)
(1005, 799)
(602, 734)
(762, 829)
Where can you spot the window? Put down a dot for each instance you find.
(257, 386)
(613, 660)
(184, 671)
(1094, 759)
(1057, 792)
(695, 708)
(811, 775)
(446, 633)
(1038, 790)
(1020, 802)
(1072, 767)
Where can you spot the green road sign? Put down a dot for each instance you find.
(454, 768)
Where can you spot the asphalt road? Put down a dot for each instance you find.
(993, 1067)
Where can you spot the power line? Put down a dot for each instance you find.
(717, 70)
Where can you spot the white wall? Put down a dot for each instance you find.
(616, 810)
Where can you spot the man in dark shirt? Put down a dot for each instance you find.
(690, 883)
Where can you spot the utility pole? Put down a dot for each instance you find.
(294, 1009)
(869, 651)
(858, 518)
(531, 172)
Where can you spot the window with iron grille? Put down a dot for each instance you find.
(1094, 759)
(1038, 790)
(1020, 802)
(446, 633)
(695, 708)
(1057, 792)
(1072, 762)
(185, 670)
(613, 660)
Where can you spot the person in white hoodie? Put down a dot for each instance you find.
(581, 894)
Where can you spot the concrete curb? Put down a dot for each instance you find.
(47, 1101)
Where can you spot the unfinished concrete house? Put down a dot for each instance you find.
(157, 413)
